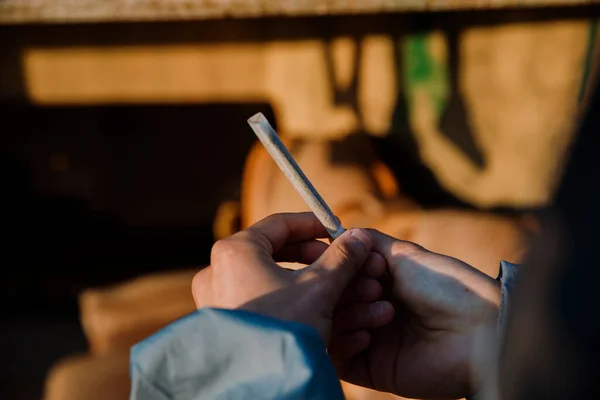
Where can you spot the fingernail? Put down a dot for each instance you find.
(376, 310)
(361, 235)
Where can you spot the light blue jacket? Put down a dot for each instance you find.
(232, 354)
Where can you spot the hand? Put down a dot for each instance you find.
(243, 272)
(434, 347)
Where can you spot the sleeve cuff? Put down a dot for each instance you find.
(507, 277)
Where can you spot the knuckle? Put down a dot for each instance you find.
(200, 279)
(309, 275)
(403, 248)
(271, 218)
(345, 253)
(222, 249)
(201, 284)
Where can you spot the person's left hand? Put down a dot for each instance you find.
(243, 273)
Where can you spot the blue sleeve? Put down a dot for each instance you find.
(232, 354)
(506, 276)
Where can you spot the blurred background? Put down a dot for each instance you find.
(125, 152)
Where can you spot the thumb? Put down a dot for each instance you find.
(343, 259)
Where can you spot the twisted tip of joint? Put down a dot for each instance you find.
(257, 118)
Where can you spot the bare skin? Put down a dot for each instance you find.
(395, 317)
(433, 347)
(243, 272)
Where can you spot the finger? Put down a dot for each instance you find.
(375, 266)
(361, 290)
(342, 260)
(349, 344)
(360, 316)
(273, 232)
(302, 252)
(390, 248)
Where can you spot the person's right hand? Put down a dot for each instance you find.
(434, 347)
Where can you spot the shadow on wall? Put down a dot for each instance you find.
(97, 194)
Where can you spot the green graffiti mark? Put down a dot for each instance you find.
(423, 72)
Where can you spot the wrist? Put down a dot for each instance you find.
(486, 339)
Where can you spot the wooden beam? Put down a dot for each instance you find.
(82, 11)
